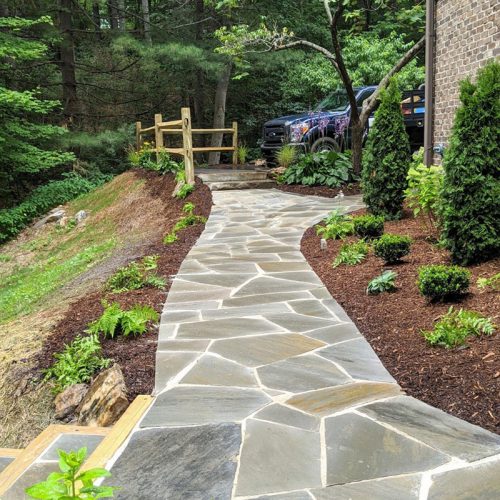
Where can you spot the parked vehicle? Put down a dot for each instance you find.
(327, 127)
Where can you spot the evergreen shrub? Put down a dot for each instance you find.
(369, 226)
(439, 282)
(392, 247)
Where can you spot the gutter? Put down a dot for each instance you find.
(430, 37)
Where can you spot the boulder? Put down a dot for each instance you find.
(53, 216)
(68, 401)
(106, 399)
(80, 216)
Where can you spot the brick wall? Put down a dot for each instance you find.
(467, 36)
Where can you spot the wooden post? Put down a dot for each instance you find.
(138, 141)
(158, 136)
(235, 143)
(187, 144)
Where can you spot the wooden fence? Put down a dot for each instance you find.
(183, 127)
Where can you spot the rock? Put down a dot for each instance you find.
(177, 188)
(80, 216)
(63, 222)
(68, 401)
(53, 216)
(105, 401)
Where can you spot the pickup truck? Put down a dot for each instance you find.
(327, 127)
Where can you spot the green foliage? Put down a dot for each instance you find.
(368, 226)
(189, 220)
(242, 153)
(136, 275)
(64, 485)
(146, 158)
(41, 200)
(392, 247)
(351, 254)
(326, 168)
(453, 329)
(386, 282)
(492, 282)
(77, 363)
(286, 156)
(185, 190)
(115, 320)
(386, 158)
(438, 282)
(425, 184)
(471, 189)
(336, 226)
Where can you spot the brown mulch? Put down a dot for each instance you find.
(464, 381)
(136, 355)
(324, 191)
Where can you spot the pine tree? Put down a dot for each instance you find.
(386, 157)
(471, 190)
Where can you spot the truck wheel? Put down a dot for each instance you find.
(324, 144)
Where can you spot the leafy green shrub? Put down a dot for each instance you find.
(369, 226)
(386, 282)
(326, 168)
(455, 327)
(64, 485)
(351, 254)
(77, 363)
(242, 153)
(41, 200)
(286, 155)
(184, 191)
(493, 282)
(136, 275)
(423, 193)
(115, 320)
(439, 282)
(392, 247)
(386, 157)
(189, 220)
(471, 189)
(336, 226)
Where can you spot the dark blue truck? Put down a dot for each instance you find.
(327, 127)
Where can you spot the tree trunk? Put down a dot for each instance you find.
(219, 112)
(146, 21)
(113, 15)
(67, 63)
(96, 16)
(121, 15)
(357, 130)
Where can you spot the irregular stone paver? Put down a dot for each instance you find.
(4, 461)
(253, 350)
(68, 442)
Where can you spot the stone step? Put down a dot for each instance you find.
(257, 184)
(232, 176)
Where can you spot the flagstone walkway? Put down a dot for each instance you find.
(265, 388)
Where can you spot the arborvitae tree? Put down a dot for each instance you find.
(471, 191)
(386, 157)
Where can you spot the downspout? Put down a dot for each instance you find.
(430, 35)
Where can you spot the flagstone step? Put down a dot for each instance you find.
(232, 175)
(235, 184)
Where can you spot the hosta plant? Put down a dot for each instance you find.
(351, 254)
(453, 329)
(72, 483)
(386, 282)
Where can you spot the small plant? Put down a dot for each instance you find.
(336, 226)
(170, 238)
(64, 485)
(136, 275)
(115, 320)
(392, 247)
(351, 254)
(369, 226)
(166, 164)
(453, 329)
(383, 283)
(286, 155)
(185, 190)
(189, 220)
(493, 282)
(77, 363)
(440, 282)
(242, 153)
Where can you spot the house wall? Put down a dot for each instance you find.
(467, 36)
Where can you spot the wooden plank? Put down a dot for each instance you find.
(173, 123)
(187, 142)
(27, 456)
(211, 130)
(158, 136)
(138, 139)
(204, 150)
(172, 131)
(148, 129)
(174, 151)
(10, 452)
(235, 143)
(117, 435)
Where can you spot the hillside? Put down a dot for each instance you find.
(51, 286)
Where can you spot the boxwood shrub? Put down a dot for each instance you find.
(392, 247)
(438, 282)
(369, 226)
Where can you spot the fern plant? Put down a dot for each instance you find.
(136, 275)
(189, 220)
(185, 190)
(492, 282)
(383, 283)
(115, 320)
(351, 254)
(453, 329)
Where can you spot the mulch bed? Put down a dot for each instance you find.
(464, 381)
(324, 191)
(136, 355)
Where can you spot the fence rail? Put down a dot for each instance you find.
(161, 128)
